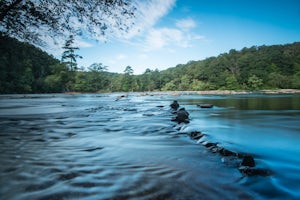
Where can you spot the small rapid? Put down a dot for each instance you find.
(101, 147)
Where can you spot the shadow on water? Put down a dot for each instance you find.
(93, 147)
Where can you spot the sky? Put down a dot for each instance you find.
(172, 32)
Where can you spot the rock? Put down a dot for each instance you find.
(182, 116)
(216, 149)
(209, 144)
(226, 152)
(174, 105)
(205, 105)
(254, 171)
(196, 135)
(248, 161)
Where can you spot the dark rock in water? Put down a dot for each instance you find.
(174, 105)
(248, 161)
(254, 171)
(129, 109)
(120, 97)
(93, 149)
(182, 116)
(226, 152)
(209, 144)
(205, 105)
(216, 149)
(196, 135)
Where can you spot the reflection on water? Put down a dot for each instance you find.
(93, 147)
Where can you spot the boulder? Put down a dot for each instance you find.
(205, 105)
(249, 171)
(182, 116)
(196, 135)
(209, 144)
(226, 152)
(248, 161)
(174, 105)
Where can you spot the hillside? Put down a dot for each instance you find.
(27, 69)
(23, 67)
(263, 67)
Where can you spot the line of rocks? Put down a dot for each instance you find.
(245, 162)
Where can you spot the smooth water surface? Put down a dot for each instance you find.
(93, 147)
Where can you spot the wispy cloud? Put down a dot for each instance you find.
(148, 14)
(181, 35)
(163, 37)
(186, 24)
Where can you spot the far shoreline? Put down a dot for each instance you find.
(235, 92)
(203, 92)
(179, 92)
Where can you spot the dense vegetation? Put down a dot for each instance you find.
(26, 69)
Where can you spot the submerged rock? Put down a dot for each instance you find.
(196, 135)
(174, 105)
(209, 144)
(249, 171)
(205, 105)
(226, 152)
(248, 161)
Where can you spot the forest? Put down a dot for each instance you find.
(25, 68)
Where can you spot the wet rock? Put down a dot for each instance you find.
(226, 152)
(120, 97)
(216, 149)
(205, 105)
(196, 135)
(248, 161)
(174, 105)
(130, 109)
(182, 116)
(249, 171)
(209, 144)
(93, 149)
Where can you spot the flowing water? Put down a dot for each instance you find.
(96, 147)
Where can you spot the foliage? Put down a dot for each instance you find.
(26, 69)
(69, 57)
(29, 20)
(23, 67)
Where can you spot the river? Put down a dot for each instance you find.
(100, 146)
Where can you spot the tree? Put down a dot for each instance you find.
(254, 82)
(97, 79)
(231, 83)
(127, 83)
(29, 20)
(69, 57)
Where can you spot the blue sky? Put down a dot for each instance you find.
(170, 32)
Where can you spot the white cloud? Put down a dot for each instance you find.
(82, 44)
(186, 24)
(166, 38)
(160, 38)
(148, 14)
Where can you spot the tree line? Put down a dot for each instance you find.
(27, 69)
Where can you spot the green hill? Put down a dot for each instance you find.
(27, 69)
(23, 67)
(263, 67)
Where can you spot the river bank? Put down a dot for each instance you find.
(212, 92)
(229, 92)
